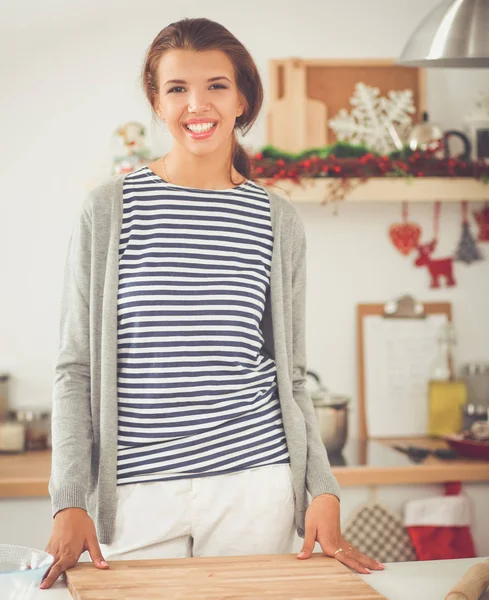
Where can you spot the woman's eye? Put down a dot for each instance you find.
(177, 88)
(219, 86)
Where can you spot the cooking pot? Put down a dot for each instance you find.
(332, 415)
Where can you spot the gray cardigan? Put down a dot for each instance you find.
(84, 430)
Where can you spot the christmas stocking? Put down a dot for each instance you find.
(439, 527)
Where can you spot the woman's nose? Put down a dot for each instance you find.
(198, 102)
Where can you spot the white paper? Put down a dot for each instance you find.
(398, 358)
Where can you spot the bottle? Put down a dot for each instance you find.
(446, 395)
(442, 368)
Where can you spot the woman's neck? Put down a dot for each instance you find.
(203, 172)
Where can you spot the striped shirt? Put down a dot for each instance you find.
(196, 394)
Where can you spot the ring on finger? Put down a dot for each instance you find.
(338, 551)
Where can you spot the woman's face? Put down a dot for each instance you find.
(198, 98)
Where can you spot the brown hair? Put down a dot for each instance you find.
(204, 34)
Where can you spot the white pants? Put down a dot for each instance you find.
(248, 512)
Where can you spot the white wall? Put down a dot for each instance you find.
(69, 75)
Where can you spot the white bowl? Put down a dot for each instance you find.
(21, 571)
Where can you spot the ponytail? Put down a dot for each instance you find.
(241, 160)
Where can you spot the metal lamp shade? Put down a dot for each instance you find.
(454, 34)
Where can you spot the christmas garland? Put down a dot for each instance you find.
(347, 161)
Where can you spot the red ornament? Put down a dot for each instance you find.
(482, 219)
(405, 236)
(438, 267)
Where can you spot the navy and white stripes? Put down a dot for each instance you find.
(196, 396)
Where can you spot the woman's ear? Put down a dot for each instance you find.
(157, 108)
(241, 105)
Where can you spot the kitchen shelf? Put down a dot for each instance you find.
(371, 462)
(387, 189)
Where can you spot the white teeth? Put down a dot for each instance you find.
(200, 127)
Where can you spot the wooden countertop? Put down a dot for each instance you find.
(281, 576)
(362, 463)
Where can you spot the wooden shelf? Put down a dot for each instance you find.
(388, 189)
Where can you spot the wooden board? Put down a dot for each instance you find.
(295, 122)
(281, 577)
(331, 83)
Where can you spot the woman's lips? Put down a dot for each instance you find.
(200, 135)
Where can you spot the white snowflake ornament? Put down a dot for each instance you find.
(376, 122)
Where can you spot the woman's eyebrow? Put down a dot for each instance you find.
(180, 81)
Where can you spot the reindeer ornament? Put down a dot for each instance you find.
(437, 267)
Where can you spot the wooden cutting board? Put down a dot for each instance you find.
(281, 577)
(295, 122)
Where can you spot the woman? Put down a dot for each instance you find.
(178, 326)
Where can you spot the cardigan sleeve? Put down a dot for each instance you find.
(319, 477)
(71, 418)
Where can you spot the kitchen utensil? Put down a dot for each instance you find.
(473, 583)
(332, 415)
(468, 448)
(418, 453)
(296, 122)
(277, 577)
(21, 571)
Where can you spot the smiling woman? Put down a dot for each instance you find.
(204, 84)
(181, 420)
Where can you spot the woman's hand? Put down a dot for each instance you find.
(73, 533)
(323, 525)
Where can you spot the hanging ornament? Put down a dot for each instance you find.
(438, 267)
(467, 250)
(405, 236)
(482, 219)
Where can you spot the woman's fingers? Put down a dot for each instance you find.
(350, 561)
(309, 542)
(354, 559)
(367, 561)
(55, 571)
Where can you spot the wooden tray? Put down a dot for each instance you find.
(281, 577)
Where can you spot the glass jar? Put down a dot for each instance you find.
(476, 377)
(37, 425)
(12, 437)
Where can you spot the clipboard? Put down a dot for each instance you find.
(394, 343)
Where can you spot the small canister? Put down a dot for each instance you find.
(476, 377)
(12, 437)
(37, 425)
